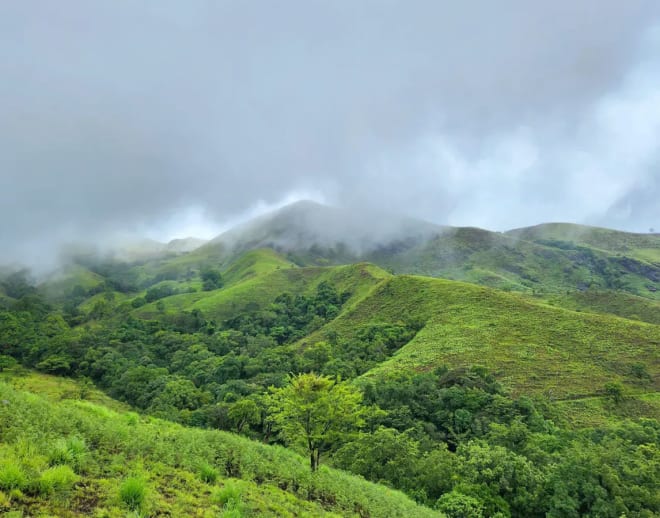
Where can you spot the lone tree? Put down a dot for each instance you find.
(211, 279)
(316, 412)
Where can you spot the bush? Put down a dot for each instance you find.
(71, 451)
(133, 492)
(57, 479)
(208, 473)
(12, 476)
(458, 505)
(228, 496)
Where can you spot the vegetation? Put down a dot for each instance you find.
(151, 467)
(471, 400)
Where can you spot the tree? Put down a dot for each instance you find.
(383, 456)
(316, 412)
(7, 362)
(211, 279)
(614, 391)
(243, 412)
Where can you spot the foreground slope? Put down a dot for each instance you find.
(76, 458)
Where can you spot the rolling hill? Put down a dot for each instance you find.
(475, 352)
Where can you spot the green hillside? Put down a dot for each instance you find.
(610, 302)
(77, 458)
(479, 398)
(532, 347)
(549, 259)
(645, 247)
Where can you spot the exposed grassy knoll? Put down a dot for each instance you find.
(61, 284)
(610, 302)
(645, 247)
(511, 263)
(58, 388)
(532, 347)
(77, 458)
(257, 278)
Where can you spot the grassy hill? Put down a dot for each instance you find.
(255, 279)
(644, 247)
(548, 258)
(475, 384)
(78, 458)
(532, 347)
(567, 347)
(610, 302)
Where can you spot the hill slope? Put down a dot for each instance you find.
(184, 472)
(644, 247)
(532, 347)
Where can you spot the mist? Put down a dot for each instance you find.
(167, 119)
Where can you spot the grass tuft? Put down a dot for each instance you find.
(133, 492)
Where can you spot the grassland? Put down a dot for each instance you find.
(77, 458)
(645, 247)
(532, 347)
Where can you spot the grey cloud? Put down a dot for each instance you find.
(117, 115)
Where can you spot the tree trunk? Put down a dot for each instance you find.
(313, 460)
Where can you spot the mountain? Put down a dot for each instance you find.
(529, 260)
(316, 233)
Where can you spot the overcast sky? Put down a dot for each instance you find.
(177, 117)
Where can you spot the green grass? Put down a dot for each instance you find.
(532, 347)
(133, 493)
(609, 302)
(260, 283)
(518, 261)
(57, 388)
(63, 282)
(645, 247)
(151, 466)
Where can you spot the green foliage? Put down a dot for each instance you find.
(615, 391)
(211, 279)
(58, 479)
(7, 362)
(208, 473)
(458, 505)
(133, 493)
(244, 412)
(228, 496)
(316, 412)
(71, 451)
(266, 480)
(489, 440)
(12, 475)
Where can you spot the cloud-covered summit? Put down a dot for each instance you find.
(140, 117)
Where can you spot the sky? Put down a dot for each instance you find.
(173, 118)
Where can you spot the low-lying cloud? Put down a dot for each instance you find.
(170, 117)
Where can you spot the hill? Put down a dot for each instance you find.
(522, 260)
(644, 247)
(77, 458)
(531, 347)
(462, 386)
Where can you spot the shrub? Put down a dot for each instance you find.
(228, 496)
(133, 492)
(57, 479)
(12, 476)
(208, 473)
(71, 451)
(458, 505)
